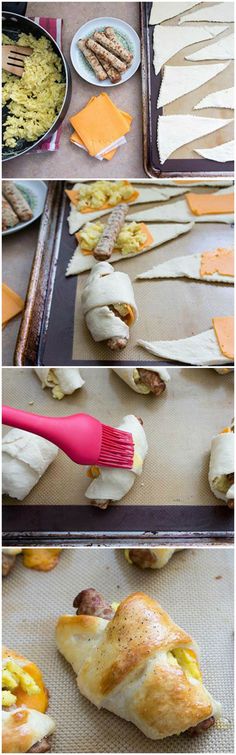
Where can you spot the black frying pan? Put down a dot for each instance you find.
(12, 25)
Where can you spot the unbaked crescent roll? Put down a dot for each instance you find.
(63, 380)
(144, 380)
(25, 724)
(140, 665)
(149, 558)
(25, 458)
(108, 305)
(112, 484)
(221, 469)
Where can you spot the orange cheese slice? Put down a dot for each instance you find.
(75, 139)
(100, 123)
(38, 701)
(144, 229)
(12, 304)
(210, 204)
(224, 331)
(221, 261)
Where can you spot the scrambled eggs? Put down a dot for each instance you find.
(13, 677)
(35, 99)
(98, 194)
(131, 237)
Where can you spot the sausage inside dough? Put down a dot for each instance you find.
(108, 305)
(144, 380)
(25, 458)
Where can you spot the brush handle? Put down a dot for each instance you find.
(79, 435)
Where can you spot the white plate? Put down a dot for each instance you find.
(35, 194)
(129, 39)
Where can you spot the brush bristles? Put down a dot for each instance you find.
(117, 449)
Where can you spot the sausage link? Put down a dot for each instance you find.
(17, 200)
(43, 746)
(92, 60)
(9, 217)
(142, 557)
(194, 731)
(116, 343)
(152, 380)
(106, 243)
(112, 44)
(124, 54)
(112, 74)
(105, 55)
(92, 603)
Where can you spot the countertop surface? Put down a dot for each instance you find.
(69, 161)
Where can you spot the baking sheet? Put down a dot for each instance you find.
(168, 309)
(195, 588)
(179, 425)
(185, 160)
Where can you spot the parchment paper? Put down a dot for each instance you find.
(179, 426)
(195, 588)
(185, 104)
(168, 309)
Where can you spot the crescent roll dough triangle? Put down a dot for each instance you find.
(178, 212)
(167, 40)
(202, 349)
(215, 12)
(223, 153)
(175, 130)
(184, 267)
(80, 262)
(223, 49)
(163, 11)
(179, 80)
(222, 98)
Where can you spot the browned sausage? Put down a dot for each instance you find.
(17, 201)
(104, 248)
(43, 746)
(112, 74)
(116, 343)
(142, 557)
(124, 54)
(9, 217)
(152, 380)
(92, 603)
(92, 60)
(112, 44)
(194, 731)
(105, 55)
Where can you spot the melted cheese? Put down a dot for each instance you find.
(221, 261)
(38, 700)
(224, 331)
(100, 123)
(12, 304)
(210, 204)
(42, 559)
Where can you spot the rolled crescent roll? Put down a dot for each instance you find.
(25, 458)
(221, 469)
(25, 725)
(149, 558)
(63, 380)
(8, 559)
(145, 381)
(108, 304)
(112, 484)
(140, 666)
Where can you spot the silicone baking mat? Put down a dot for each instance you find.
(185, 160)
(179, 426)
(195, 588)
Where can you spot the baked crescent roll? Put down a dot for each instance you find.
(149, 558)
(25, 724)
(63, 380)
(140, 665)
(108, 305)
(221, 468)
(144, 380)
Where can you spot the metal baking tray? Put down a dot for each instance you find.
(53, 331)
(195, 588)
(150, 87)
(170, 501)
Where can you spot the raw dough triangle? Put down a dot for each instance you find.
(223, 153)
(178, 80)
(177, 212)
(222, 12)
(161, 233)
(183, 267)
(175, 130)
(163, 11)
(147, 193)
(167, 40)
(223, 49)
(222, 98)
(200, 349)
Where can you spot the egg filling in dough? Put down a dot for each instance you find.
(221, 469)
(63, 380)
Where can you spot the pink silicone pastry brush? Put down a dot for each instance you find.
(82, 437)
